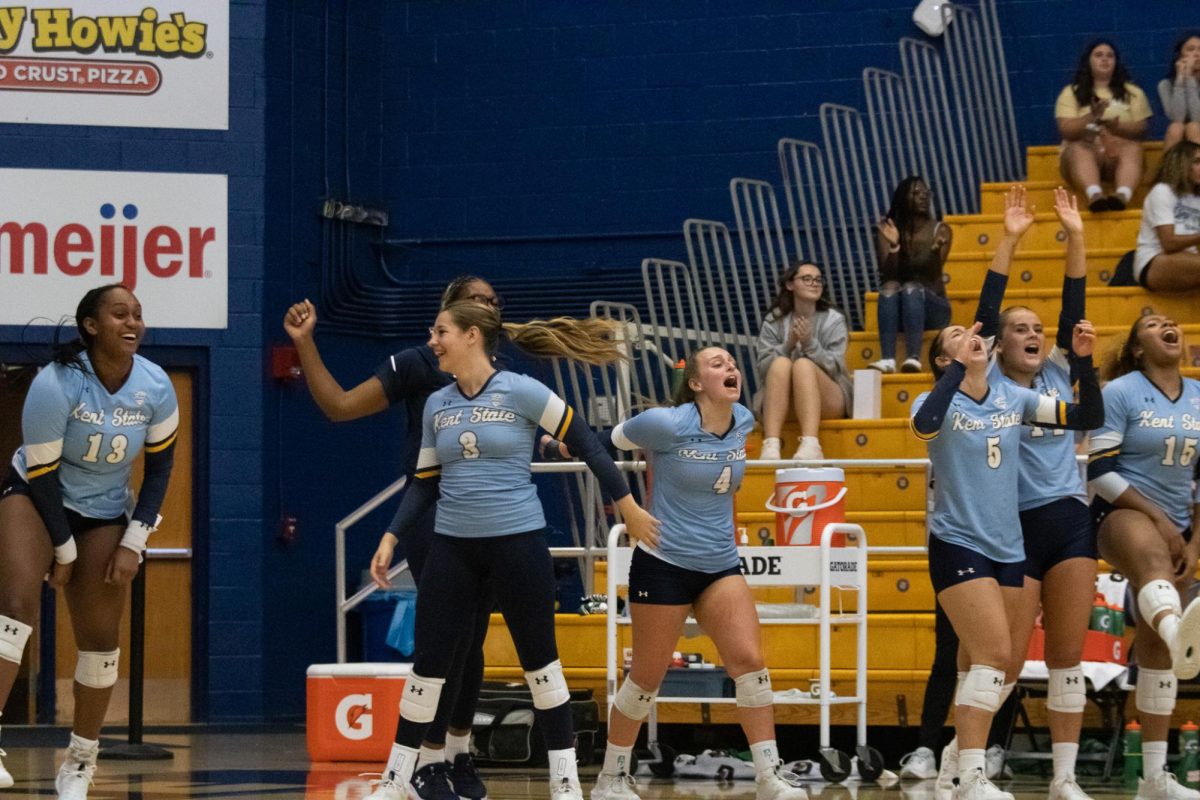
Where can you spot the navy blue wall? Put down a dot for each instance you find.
(514, 138)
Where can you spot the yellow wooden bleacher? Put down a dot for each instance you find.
(890, 503)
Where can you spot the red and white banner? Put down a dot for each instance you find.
(163, 235)
(101, 62)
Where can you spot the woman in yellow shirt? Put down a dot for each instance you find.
(1102, 118)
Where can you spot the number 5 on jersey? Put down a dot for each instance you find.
(994, 456)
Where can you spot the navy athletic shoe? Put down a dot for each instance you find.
(431, 782)
(465, 778)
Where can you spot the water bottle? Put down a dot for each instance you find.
(1133, 754)
(1188, 771)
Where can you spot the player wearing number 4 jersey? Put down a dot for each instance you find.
(476, 444)
(696, 452)
(67, 507)
(1142, 467)
(976, 553)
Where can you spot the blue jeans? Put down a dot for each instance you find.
(914, 307)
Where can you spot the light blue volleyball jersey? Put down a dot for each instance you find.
(72, 424)
(695, 474)
(1156, 438)
(976, 461)
(1049, 469)
(483, 446)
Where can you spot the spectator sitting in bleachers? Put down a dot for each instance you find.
(1180, 91)
(912, 244)
(1102, 119)
(800, 359)
(1167, 258)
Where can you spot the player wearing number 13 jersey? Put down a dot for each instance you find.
(67, 507)
(1142, 467)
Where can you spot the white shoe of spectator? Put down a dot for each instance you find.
(1066, 789)
(976, 786)
(920, 763)
(1164, 786)
(770, 449)
(1185, 654)
(994, 766)
(618, 786)
(948, 771)
(885, 365)
(809, 449)
(778, 784)
(911, 365)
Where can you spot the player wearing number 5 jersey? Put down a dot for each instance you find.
(67, 507)
(696, 453)
(976, 553)
(1142, 466)
(476, 445)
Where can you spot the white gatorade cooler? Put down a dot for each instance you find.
(806, 500)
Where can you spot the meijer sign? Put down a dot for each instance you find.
(163, 235)
(98, 62)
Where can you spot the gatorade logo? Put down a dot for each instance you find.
(353, 717)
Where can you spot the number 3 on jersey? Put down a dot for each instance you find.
(115, 456)
(722, 484)
(470, 445)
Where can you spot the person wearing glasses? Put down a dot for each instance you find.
(912, 245)
(408, 378)
(800, 361)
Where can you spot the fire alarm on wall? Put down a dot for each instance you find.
(285, 363)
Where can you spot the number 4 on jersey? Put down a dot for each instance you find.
(721, 486)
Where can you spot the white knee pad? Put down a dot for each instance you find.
(13, 636)
(960, 678)
(633, 701)
(1067, 691)
(1156, 690)
(982, 688)
(1006, 690)
(548, 686)
(753, 690)
(1156, 597)
(420, 700)
(97, 670)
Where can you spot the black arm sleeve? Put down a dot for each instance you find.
(420, 495)
(154, 484)
(580, 440)
(1074, 294)
(990, 299)
(46, 493)
(1088, 413)
(928, 419)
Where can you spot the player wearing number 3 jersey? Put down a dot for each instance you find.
(67, 507)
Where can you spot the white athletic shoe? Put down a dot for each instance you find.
(976, 786)
(948, 771)
(920, 763)
(618, 786)
(1185, 655)
(1066, 789)
(770, 449)
(387, 789)
(565, 789)
(778, 784)
(1164, 786)
(994, 765)
(885, 365)
(911, 365)
(809, 451)
(74, 778)
(6, 778)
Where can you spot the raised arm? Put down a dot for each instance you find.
(1018, 217)
(337, 404)
(1075, 270)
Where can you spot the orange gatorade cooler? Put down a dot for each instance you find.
(806, 500)
(353, 710)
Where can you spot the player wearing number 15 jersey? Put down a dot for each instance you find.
(67, 507)
(1142, 466)
(696, 454)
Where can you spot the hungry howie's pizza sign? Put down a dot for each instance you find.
(106, 62)
(164, 235)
